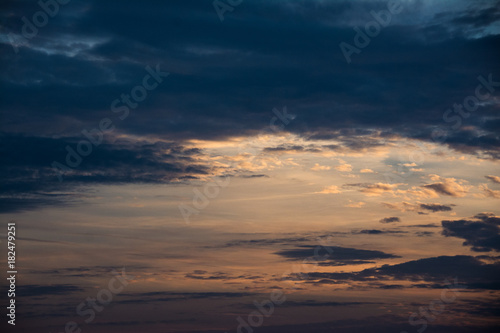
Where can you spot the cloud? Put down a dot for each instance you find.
(482, 233)
(366, 171)
(208, 82)
(15, 203)
(172, 296)
(28, 180)
(339, 256)
(344, 168)
(378, 232)
(265, 241)
(420, 208)
(390, 219)
(204, 275)
(254, 176)
(332, 189)
(376, 189)
(447, 186)
(494, 179)
(429, 225)
(87, 271)
(433, 207)
(353, 204)
(194, 104)
(422, 193)
(33, 290)
(470, 273)
(488, 192)
(424, 233)
(318, 167)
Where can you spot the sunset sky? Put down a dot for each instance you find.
(251, 166)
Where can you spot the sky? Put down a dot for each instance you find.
(251, 166)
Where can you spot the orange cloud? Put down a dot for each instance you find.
(344, 168)
(494, 179)
(332, 189)
(488, 192)
(353, 204)
(318, 167)
(447, 186)
(379, 189)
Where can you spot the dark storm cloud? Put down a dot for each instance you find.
(28, 180)
(235, 72)
(390, 219)
(338, 256)
(19, 204)
(389, 286)
(220, 276)
(482, 234)
(370, 188)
